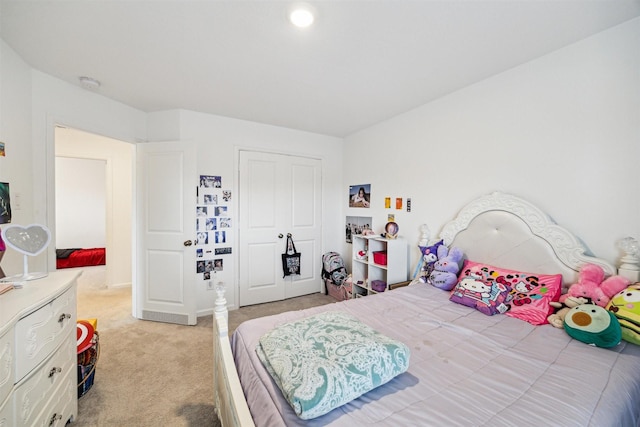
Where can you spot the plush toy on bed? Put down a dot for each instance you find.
(429, 258)
(592, 284)
(562, 308)
(445, 270)
(626, 307)
(593, 325)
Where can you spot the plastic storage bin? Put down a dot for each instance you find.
(380, 257)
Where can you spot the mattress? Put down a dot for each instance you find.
(466, 369)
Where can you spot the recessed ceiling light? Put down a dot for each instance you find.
(89, 83)
(301, 15)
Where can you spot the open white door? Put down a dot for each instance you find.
(166, 198)
(279, 194)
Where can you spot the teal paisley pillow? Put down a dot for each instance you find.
(326, 360)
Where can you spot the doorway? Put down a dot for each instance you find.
(79, 149)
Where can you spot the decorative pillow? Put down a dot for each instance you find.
(324, 361)
(528, 294)
(473, 290)
(593, 325)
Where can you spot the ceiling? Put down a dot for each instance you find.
(361, 62)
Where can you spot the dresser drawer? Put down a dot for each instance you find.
(63, 404)
(33, 394)
(6, 413)
(41, 332)
(6, 365)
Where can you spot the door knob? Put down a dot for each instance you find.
(188, 243)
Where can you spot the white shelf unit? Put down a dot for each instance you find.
(366, 270)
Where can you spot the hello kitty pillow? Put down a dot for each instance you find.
(528, 294)
(474, 291)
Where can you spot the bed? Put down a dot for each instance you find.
(77, 257)
(466, 368)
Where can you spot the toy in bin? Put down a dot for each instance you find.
(88, 353)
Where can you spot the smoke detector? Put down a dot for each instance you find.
(89, 83)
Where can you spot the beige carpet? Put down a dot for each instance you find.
(150, 373)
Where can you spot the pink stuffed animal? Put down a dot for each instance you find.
(592, 284)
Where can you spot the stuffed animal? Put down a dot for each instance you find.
(592, 284)
(593, 325)
(626, 307)
(429, 258)
(562, 308)
(445, 270)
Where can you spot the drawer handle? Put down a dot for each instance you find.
(64, 316)
(54, 371)
(54, 418)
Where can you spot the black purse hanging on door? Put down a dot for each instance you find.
(290, 258)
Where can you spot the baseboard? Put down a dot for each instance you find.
(119, 285)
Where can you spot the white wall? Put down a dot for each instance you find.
(562, 131)
(57, 102)
(218, 140)
(15, 131)
(80, 203)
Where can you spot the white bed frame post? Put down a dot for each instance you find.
(230, 403)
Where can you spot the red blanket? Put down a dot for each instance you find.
(82, 258)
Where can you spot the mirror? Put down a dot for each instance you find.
(29, 241)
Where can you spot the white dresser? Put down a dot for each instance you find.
(38, 361)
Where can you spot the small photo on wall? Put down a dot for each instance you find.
(210, 199)
(201, 211)
(221, 236)
(210, 181)
(360, 196)
(202, 238)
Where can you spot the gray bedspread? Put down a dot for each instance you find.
(466, 369)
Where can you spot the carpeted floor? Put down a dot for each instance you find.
(151, 373)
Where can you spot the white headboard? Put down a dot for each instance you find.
(509, 232)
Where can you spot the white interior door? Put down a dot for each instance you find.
(279, 194)
(166, 216)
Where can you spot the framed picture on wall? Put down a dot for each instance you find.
(360, 196)
(5, 203)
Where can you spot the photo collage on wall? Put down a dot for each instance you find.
(213, 226)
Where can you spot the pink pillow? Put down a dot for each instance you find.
(529, 294)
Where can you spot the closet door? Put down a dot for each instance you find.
(279, 194)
